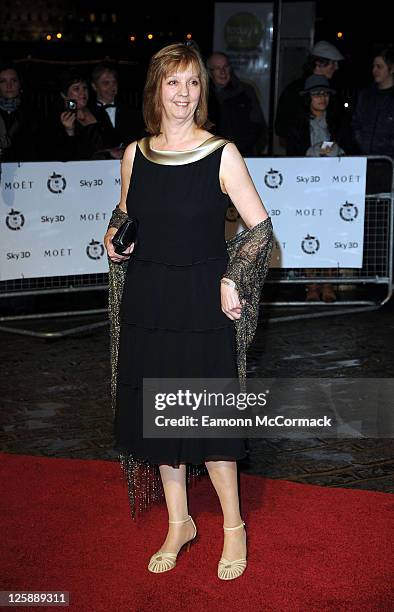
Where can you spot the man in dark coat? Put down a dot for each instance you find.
(120, 123)
(235, 109)
(373, 120)
(323, 61)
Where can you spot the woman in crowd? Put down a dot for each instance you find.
(317, 123)
(318, 131)
(19, 123)
(75, 133)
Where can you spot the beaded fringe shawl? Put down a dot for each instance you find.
(249, 256)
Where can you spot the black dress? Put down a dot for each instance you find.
(172, 325)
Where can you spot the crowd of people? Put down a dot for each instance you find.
(89, 120)
(310, 113)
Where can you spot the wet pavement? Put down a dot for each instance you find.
(55, 394)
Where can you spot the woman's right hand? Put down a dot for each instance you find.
(68, 120)
(110, 248)
(327, 151)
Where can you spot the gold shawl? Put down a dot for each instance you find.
(249, 256)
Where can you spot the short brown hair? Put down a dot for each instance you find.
(101, 69)
(162, 63)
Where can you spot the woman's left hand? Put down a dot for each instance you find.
(231, 305)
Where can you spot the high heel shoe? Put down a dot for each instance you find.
(228, 570)
(165, 561)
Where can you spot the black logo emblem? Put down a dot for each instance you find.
(232, 213)
(348, 211)
(310, 245)
(56, 183)
(95, 250)
(273, 179)
(14, 220)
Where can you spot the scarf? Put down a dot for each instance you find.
(10, 104)
(249, 257)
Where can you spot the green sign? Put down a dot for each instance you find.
(243, 32)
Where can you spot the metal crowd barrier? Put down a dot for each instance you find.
(375, 276)
(377, 268)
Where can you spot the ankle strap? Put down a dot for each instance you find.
(178, 522)
(233, 528)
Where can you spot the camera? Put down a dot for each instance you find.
(71, 106)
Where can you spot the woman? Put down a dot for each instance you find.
(318, 123)
(373, 120)
(318, 131)
(19, 123)
(76, 134)
(177, 317)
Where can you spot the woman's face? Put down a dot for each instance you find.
(180, 93)
(78, 92)
(319, 102)
(9, 84)
(382, 73)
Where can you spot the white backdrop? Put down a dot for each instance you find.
(317, 208)
(53, 215)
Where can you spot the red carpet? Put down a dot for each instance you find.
(66, 526)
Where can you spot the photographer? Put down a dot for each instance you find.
(76, 134)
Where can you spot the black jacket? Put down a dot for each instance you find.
(22, 133)
(237, 115)
(291, 104)
(129, 125)
(298, 138)
(373, 122)
(83, 145)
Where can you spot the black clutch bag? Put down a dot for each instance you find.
(125, 236)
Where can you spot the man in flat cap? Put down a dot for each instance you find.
(323, 61)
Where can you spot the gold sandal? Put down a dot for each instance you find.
(165, 561)
(228, 570)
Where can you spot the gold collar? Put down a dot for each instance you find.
(178, 158)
